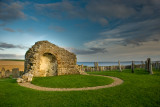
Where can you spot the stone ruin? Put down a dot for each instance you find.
(46, 59)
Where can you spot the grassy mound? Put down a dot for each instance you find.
(71, 81)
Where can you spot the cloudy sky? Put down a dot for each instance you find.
(95, 30)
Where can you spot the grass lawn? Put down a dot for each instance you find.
(138, 90)
(71, 81)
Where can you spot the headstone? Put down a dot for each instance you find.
(105, 68)
(3, 72)
(122, 67)
(82, 68)
(96, 66)
(102, 68)
(119, 66)
(150, 65)
(92, 69)
(146, 65)
(156, 65)
(86, 69)
(99, 68)
(15, 72)
(7, 73)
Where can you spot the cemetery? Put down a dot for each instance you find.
(51, 77)
(79, 53)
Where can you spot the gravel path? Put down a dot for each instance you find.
(116, 82)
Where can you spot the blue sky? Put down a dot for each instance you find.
(95, 30)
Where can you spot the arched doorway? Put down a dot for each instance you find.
(48, 65)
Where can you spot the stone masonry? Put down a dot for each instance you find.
(46, 59)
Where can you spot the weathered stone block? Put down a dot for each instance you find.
(20, 80)
(27, 77)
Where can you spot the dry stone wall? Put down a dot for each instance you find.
(46, 59)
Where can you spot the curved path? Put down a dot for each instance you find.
(116, 82)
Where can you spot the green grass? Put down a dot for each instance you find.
(71, 81)
(138, 90)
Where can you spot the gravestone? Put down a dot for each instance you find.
(146, 65)
(81, 68)
(119, 66)
(7, 73)
(3, 73)
(132, 66)
(150, 66)
(96, 66)
(15, 72)
(157, 65)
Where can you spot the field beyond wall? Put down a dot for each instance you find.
(10, 64)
